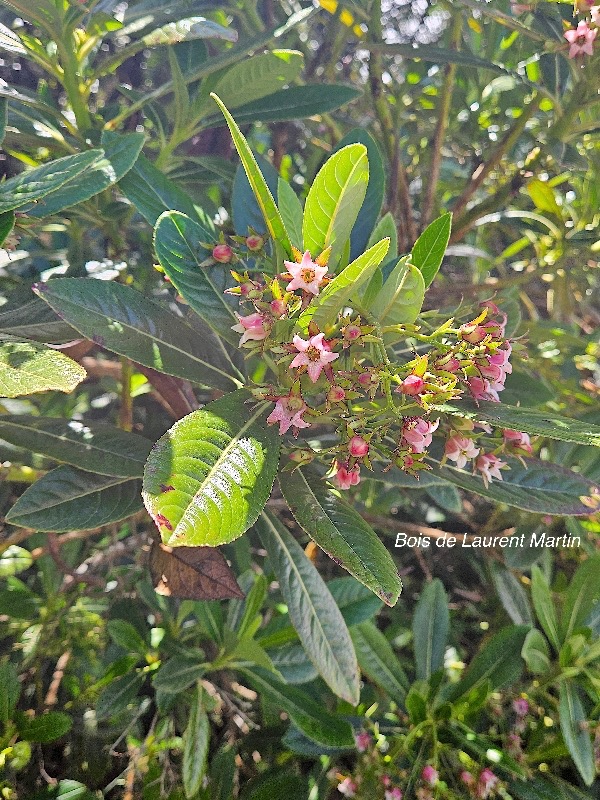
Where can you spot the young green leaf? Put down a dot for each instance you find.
(544, 606)
(536, 652)
(34, 184)
(325, 307)
(399, 300)
(67, 499)
(123, 320)
(312, 609)
(334, 201)
(428, 251)
(431, 624)
(581, 596)
(386, 228)
(28, 367)
(341, 532)
(308, 715)
(208, 478)
(574, 728)
(378, 661)
(196, 739)
(177, 243)
(44, 728)
(119, 694)
(512, 595)
(264, 197)
(178, 674)
(95, 446)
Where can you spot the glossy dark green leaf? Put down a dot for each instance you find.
(308, 715)
(539, 423)
(209, 477)
(7, 223)
(196, 739)
(431, 625)
(298, 743)
(540, 487)
(28, 367)
(34, 184)
(341, 532)
(178, 674)
(312, 609)
(355, 600)
(29, 317)
(378, 661)
(120, 693)
(512, 594)
(66, 499)
(97, 447)
(581, 596)
(177, 243)
(120, 154)
(293, 664)
(245, 209)
(428, 251)
(334, 201)
(46, 727)
(574, 728)
(126, 636)
(498, 662)
(124, 321)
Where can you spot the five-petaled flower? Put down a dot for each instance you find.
(581, 39)
(346, 478)
(307, 275)
(314, 354)
(518, 439)
(419, 433)
(489, 465)
(288, 413)
(253, 327)
(460, 449)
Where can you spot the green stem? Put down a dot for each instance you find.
(126, 410)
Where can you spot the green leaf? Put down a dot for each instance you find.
(540, 487)
(196, 739)
(539, 423)
(307, 714)
(536, 652)
(512, 594)
(378, 661)
(178, 674)
(428, 251)
(152, 193)
(14, 560)
(208, 478)
(291, 211)
(292, 663)
(115, 698)
(188, 29)
(176, 241)
(399, 300)
(124, 321)
(498, 662)
(334, 201)
(28, 367)
(258, 76)
(264, 197)
(7, 223)
(10, 689)
(342, 533)
(3, 117)
(26, 316)
(312, 609)
(544, 606)
(386, 229)
(245, 211)
(34, 184)
(581, 596)
(120, 154)
(293, 103)
(431, 625)
(67, 499)
(356, 602)
(126, 636)
(325, 307)
(94, 446)
(543, 197)
(45, 728)
(574, 727)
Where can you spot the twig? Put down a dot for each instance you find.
(59, 671)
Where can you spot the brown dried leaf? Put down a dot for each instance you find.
(192, 573)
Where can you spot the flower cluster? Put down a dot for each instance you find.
(581, 39)
(385, 408)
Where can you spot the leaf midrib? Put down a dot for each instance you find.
(344, 188)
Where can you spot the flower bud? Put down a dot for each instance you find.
(336, 394)
(358, 447)
(222, 253)
(254, 242)
(430, 775)
(278, 307)
(411, 386)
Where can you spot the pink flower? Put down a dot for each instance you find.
(595, 12)
(411, 386)
(467, 778)
(306, 275)
(393, 794)
(358, 447)
(581, 39)
(460, 449)
(252, 327)
(520, 707)
(254, 242)
(486, 783)
(288, 413)
(430, 775)
(418, 433)
(347, 787)
(489, 465)
(346, 478)
(314, 354)
(222, 253)
(362, 741)
(519, 440)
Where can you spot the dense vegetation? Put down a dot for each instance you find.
(298, 421)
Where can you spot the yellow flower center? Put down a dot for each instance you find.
(308, 275)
